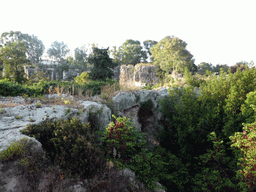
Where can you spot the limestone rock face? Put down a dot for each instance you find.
(126, 75)
(142, 75)
(124, 104)
(145, 74)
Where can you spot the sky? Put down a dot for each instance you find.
(216, 32)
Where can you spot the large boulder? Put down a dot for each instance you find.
(124, 104)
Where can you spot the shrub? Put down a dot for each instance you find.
(31, 161)
(82, 78)
(122, 136)
(246, 143)
(69, 145)
(246, 108)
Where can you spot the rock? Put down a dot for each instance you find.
(124, 104)
(141, 75)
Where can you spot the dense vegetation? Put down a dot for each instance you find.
(204, 142)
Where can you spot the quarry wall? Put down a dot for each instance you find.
(126, 75)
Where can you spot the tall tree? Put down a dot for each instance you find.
(13, 56)
(81, 56)
(58, 50)
(203, 66)
(171, 54)
(129, 53)
(34, 47)
(117, 55)
(102, 64)
(148, 44)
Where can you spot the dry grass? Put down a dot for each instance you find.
(107, 93)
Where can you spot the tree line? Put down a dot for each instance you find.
(18, 49)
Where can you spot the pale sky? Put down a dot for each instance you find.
(217, 32)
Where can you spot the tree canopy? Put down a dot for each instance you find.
(34, 47)
(58, 50)
(203, 66)
(129, 53)
(102, 64)
(148, 44)
(14, 58)
(81, 56)
(171, 54)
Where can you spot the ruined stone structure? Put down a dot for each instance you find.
(64, 75)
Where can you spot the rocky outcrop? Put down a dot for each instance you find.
(138, 75)
(124, 104)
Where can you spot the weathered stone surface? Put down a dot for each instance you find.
(124, 104)
(145, 74)
(142, 74)
(138, 75)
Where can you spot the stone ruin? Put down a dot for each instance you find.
(141, 74)
(125, 75)
(53, 74)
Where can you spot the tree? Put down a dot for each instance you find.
(102, 64)
(58, 50)
(218, 67)
(148, 44)
(13, 56)
(240, 64)
(171, 54)
(203, 66)
(117, 55)
(129, 53)
(81, 56)
(34, 46)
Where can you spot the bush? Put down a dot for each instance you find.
(82, 79)
(31, 161)
(131, 145)
(69, 145)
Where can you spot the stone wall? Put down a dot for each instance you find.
(126, 75)
(65, 75)
(51, 73)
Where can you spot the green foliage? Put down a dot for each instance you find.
(247, 107)
(122, 136)
(34, 46)
(219, 171)
(8, 88)
(32, 161)
(203, 67)
(70, 145)
(148, 44)
(58, 50)
(187, 121)
(102, 64)
(242, 83)
(80, 56)
(129, 53)
(82, 79)
(147, 87)
(171, 54)
(246, 142)
(13, 152)
(192, 80)
(13, 57)
(2, 110)
(125, 139)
